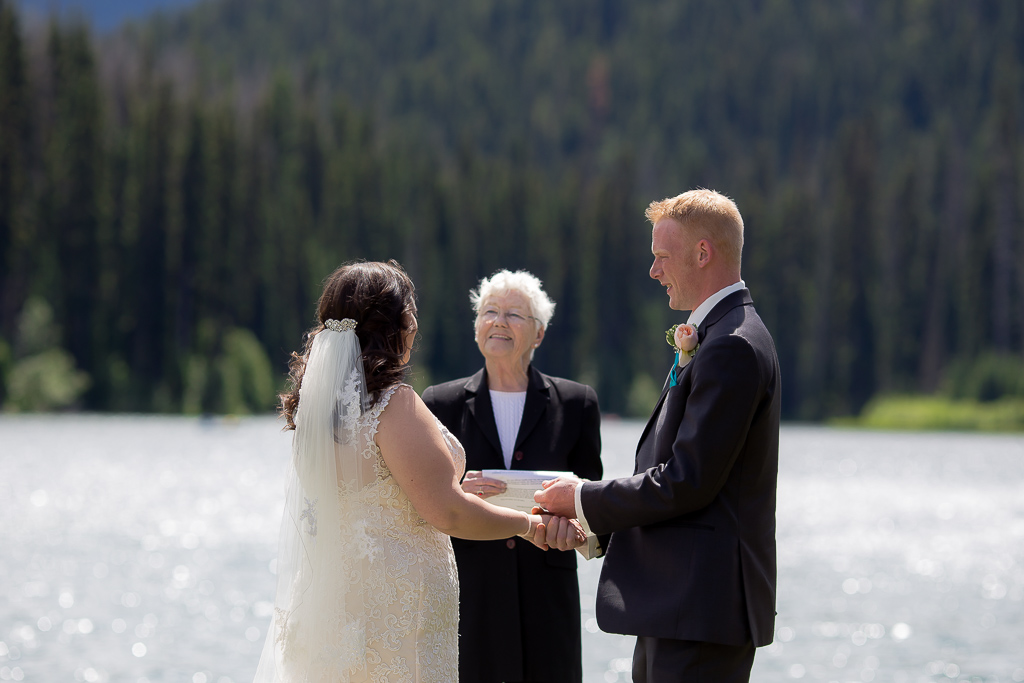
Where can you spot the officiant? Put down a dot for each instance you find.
(519, 606)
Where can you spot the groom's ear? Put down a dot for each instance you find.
(705, 251)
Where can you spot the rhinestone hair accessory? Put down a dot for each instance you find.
(340, 326)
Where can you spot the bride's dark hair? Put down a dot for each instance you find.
(377, 296)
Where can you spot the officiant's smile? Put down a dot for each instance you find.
(507, 334)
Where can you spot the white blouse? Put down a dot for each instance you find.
(508, 413)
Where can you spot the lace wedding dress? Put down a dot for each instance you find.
(367, 589)
(410, 589)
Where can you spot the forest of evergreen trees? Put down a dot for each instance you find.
(172, 194)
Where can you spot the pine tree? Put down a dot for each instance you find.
(15, 164)
(70, 201)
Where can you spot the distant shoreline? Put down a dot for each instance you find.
(931, 413)
(889, 413)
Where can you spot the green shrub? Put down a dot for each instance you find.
(45, 381)
(643, 396)
(938, 413)
(37, 375)
(239, 380)
(989, 377)
(37, 330)
(247, 380)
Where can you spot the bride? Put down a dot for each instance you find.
(367, 588)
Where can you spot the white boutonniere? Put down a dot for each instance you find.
(683, 338)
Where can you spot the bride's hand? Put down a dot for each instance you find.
(537, 532)
(547, 531)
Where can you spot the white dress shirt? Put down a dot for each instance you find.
(698, 314)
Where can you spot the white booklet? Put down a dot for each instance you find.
(520, 485)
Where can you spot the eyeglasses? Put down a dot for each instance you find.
(490, 314)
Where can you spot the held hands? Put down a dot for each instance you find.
(564, 534)
(559, 533)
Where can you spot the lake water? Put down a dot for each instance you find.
(138, 549)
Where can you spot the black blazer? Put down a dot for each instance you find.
(692, 550)
(519, 606)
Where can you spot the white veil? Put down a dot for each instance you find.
(316, 633)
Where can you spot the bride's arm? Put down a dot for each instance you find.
(418, 458)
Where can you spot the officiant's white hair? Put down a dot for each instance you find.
(521, 281)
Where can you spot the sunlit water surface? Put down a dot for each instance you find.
(140, 549)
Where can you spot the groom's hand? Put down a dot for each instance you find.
(558, 497)
(563, 534)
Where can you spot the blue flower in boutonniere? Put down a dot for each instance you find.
(683, 338)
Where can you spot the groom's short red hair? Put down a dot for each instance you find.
(709, 215)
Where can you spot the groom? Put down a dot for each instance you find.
(690, 567)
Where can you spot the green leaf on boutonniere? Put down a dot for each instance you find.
(670, 335)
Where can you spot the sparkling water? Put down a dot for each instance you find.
(141, 549)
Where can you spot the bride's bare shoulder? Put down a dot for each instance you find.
(405, 410)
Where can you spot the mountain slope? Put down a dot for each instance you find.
(104, 15)
(679, 82)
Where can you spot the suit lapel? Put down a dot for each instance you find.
(537, 399)
(479, 406)
(738, 298)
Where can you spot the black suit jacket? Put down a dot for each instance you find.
(519, 606)
(692, 550)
